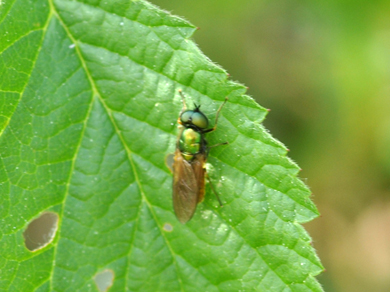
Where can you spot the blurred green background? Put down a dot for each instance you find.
(323, 68)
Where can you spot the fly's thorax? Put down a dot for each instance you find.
(190, 143)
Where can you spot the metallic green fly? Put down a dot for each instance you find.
(189, 165)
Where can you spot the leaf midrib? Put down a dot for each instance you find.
(95, 93)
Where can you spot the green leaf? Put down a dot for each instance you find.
(88, 108)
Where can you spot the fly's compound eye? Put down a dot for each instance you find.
(196, 118)
(185, 117)
(200, 120)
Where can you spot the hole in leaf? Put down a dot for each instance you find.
(168, 227)
(104, 280)
(41, 231)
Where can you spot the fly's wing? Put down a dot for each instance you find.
(198, 166)
(185, 188)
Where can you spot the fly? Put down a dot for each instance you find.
(190, 158)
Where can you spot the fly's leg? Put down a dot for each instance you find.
(207, 175)
(184, 104)
(216, 117)
(219, 144)
(212, 187)
(178, 120)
